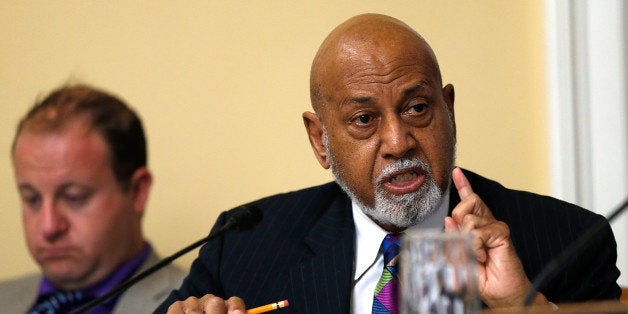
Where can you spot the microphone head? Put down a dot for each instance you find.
(245, 217)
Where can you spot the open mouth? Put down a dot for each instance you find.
(403, 177)
(404, 181)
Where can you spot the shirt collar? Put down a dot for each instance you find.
(119, 275)
(369, 235)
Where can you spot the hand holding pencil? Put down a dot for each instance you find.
(268, 307)
(210, 303)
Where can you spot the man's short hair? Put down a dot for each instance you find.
(116, 122)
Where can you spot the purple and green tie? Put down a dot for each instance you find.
(387, 289)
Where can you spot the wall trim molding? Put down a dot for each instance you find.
(588, 115)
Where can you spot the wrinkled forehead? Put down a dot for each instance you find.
(373, 43)
(380, 55)
(355, 58)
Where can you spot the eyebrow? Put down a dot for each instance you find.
(408, 91)
(416, 88)
(25, 185)
(362, 100)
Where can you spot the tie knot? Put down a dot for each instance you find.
(390, 248)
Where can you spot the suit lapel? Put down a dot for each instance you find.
(17, 296)
(321, 283)
(148, 293)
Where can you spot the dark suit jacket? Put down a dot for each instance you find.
(303, 250)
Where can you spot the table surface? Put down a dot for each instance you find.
(586, 307)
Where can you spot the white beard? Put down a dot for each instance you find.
(401, 211)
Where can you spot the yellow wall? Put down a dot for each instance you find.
(221, 88)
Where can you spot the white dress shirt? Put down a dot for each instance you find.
(369, 260)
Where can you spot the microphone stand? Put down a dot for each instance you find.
(570, 251)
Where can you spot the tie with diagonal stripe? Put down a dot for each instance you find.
(59, 302)
(386, 294)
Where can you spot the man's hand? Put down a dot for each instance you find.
(502, 282)
(209, 303)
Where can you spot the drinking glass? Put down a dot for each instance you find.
(438, 273)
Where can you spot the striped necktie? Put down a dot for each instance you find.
(386, 294)
(59, 302)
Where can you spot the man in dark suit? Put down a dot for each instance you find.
(384, 124)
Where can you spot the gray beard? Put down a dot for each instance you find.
(403, 210)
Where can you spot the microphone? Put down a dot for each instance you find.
(240, 218)
(243, 218)
(558, 263)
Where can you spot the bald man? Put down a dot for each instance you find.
(384, 123)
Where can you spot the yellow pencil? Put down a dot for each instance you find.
(268, 307)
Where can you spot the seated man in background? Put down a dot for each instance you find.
(79, 158)
(384, 124)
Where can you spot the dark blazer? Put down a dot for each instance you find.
(303, 250)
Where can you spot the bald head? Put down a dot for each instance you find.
(373, 40)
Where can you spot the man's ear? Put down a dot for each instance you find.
(141, 182)
(449, 95)
(314, 128)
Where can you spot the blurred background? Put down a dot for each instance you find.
(221, 87)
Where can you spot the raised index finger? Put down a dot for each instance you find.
(470, 203)
(462, 184)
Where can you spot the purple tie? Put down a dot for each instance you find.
(387, 290)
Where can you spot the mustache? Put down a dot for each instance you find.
(403, 164)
